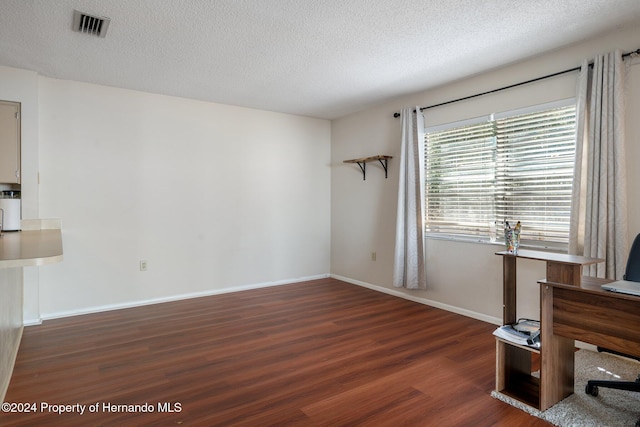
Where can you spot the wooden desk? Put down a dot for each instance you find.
(588, 314)
(513, 362)
(561, 268)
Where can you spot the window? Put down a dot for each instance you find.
(515, 166)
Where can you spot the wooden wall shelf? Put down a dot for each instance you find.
(364, 160)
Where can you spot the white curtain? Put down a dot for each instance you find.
(598, 225)
(409, 262)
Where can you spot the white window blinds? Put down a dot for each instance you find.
(518, 166)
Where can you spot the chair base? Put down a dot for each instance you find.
(592, 387)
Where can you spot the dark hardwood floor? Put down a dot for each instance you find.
(318, 353)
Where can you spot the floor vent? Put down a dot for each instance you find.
(89, 24)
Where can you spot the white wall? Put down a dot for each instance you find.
(214, 197)
(219, 198)
(465, 277)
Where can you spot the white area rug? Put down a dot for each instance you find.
(612, 408)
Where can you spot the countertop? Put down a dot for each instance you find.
(30, 247)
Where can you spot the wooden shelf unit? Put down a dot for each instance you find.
(514, 363)
(362, 162)
(514, 366)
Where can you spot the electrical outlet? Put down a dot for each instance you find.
(373, 256)
(143, 265)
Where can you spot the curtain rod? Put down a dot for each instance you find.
(396, 115)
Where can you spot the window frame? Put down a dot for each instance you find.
(533, 109)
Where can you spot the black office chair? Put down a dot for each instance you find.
(632, 273)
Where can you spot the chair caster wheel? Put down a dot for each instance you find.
(593, 391)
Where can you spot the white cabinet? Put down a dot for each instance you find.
(9, 142)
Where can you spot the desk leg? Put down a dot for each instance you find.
(556, 354)
(508, 289)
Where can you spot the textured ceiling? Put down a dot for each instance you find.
(319, 58)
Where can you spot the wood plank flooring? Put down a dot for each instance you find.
(318, 353)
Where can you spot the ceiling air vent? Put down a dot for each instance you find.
(89, 24)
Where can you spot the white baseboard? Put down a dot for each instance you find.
(32, 322)
(179, 297)
(425, 301)
(99, 309)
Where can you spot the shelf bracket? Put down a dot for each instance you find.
(383, 162)
(363, 167)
